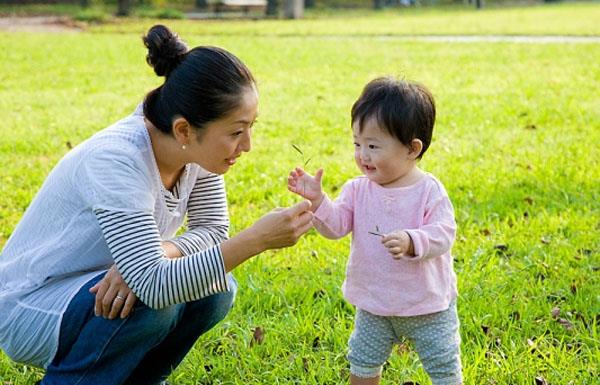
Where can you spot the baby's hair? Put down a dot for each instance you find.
(404, 109)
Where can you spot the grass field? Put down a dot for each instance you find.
(516, 144)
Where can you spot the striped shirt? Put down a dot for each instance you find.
(135, 244)
(104, 204)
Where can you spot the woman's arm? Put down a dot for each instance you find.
(158, 281)
(207, 218)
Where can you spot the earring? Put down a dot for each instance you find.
(183, 147)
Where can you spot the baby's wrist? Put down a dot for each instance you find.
(316, 202)
(410, 251)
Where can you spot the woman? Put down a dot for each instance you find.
(100, 234)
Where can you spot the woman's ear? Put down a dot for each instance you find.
(182, 130)
(416, 146)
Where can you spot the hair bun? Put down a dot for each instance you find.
(165, 49)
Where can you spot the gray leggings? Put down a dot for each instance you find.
(435, 338)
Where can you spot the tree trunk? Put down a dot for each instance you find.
(272, 6)
(124, 8)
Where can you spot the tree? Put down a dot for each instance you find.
(124, 7)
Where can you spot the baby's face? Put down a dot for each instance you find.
(381, 157)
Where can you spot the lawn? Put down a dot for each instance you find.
(516, 144)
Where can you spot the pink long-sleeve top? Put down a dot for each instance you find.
(375, 281)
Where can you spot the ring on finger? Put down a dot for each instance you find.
(120, 297)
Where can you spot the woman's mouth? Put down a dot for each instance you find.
(231, 161)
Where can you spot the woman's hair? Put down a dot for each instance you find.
(404, 109)
(201, 85)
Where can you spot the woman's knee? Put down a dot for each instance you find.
(156, 321)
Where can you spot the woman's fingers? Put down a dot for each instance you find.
(113, 296)
(128, 306)
(108, 301)
(102, 287)
(118, 303)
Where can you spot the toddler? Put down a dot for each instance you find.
(399, 274)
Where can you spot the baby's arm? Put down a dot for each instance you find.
(399, 244)
(307, 186)
(434, 238)
(334, 219)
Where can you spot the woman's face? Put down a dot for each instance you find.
(221, 142)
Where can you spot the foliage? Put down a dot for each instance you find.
(516, 144)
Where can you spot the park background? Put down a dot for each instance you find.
(516, 144)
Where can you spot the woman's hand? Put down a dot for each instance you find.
(282, 227)
(307, 186)
(398, 244)
(113, 296)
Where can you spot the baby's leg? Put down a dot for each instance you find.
(370, 346)
(437, 341)
(355, 380)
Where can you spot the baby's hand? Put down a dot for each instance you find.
(398, 244)
(306, 185)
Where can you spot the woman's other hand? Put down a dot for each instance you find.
(113, 296)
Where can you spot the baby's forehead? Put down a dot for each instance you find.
(369, 125)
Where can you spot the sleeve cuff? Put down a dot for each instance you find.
(419, 246)
(324, 209)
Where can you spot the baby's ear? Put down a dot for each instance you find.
(416, 146)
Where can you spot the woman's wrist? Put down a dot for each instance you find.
(241, 247)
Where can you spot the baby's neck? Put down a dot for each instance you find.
(414, 175)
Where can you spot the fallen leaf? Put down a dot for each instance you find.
(319, 294)
(258, 336)
(515, 316)
(573, 288)
(316, 342)
(555, 312)
(566, 324)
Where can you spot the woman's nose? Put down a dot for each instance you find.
(246, 143)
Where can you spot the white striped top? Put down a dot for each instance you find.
(134, 242)
(104, 204)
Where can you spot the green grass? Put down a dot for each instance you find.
(516, 144)
(578, 19)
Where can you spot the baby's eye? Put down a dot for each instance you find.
(372, 146)
(356, 144)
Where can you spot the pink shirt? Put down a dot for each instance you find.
(375, 281)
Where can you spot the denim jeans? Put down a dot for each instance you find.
(142, 349)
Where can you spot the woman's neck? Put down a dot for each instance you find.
(167, 153)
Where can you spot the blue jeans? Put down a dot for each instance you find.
(142, 349)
